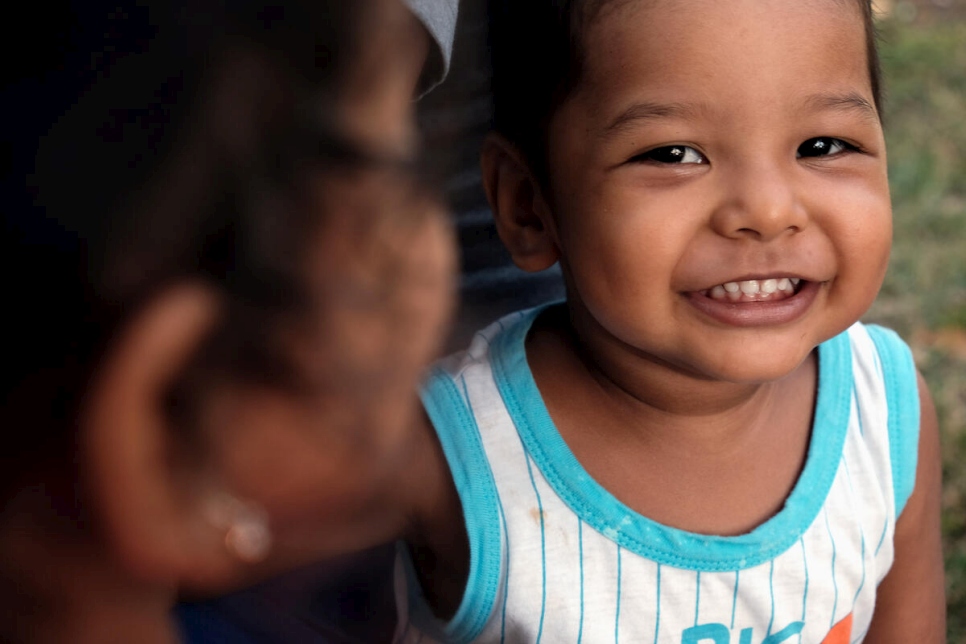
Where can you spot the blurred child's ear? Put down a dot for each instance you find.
(522, 214)
(147, 511)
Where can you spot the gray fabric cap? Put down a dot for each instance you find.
(439, 17)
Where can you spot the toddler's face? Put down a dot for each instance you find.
(718, 182)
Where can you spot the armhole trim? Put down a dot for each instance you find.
(462, 445)
(902, 398)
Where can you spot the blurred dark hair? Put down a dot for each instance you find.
(536, 49)
(97, 96)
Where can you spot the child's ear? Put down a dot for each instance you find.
(522, 214)
(154, 526)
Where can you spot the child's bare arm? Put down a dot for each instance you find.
(911, 599)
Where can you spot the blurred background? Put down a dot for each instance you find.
(923, 49)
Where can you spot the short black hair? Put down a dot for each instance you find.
(536, 50)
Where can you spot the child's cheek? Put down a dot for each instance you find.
(863, 240)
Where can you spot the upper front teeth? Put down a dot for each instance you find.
(735, 290)
(749, 287)
(753, 287)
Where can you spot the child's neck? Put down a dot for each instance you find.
(645, 384)
(671, 446)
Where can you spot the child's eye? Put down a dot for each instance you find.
(672, 154)
(823, 146)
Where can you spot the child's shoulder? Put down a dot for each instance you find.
(498, 340)
(885, 399)
(873, 354)
(882, 360)
(877, 339)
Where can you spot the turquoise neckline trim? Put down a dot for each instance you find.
(664, 544)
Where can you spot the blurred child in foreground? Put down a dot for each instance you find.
(224, 282)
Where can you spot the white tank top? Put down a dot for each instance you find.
(556, 558)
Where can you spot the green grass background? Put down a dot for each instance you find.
(923, 51)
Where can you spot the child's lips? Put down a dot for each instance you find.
(756, 302)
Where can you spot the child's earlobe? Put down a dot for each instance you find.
(522, 215)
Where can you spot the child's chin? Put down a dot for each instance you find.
(758, 366)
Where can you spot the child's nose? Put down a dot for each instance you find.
(759, 203)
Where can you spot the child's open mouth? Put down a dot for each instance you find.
(766, 290)
(757, 302)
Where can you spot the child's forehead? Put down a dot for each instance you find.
(695, 37)
(591, 11)
(738, 65)
(597, 20)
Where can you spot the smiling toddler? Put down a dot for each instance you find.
(702, 444)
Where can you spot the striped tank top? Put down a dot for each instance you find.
(554, 557)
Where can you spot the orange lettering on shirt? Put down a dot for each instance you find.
(840, 633)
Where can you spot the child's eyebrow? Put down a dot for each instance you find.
(646, 111)
(848, 102)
